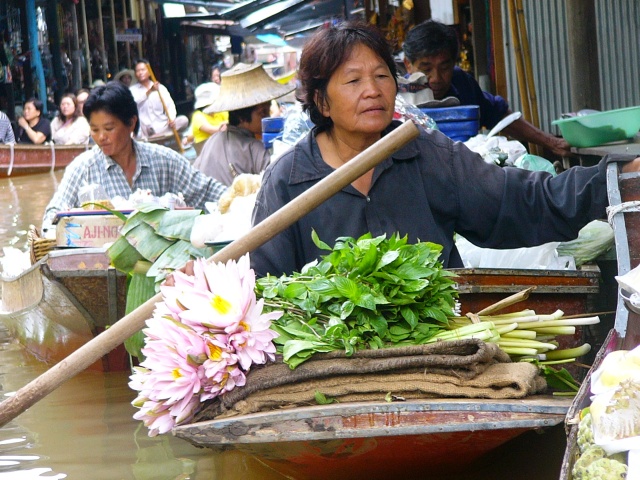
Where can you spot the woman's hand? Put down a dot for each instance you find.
(23, 122)
(632, 166)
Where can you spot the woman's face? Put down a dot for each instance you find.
(67, 107)
(29, 111)
(361, 94)
(257, 114)
(110, 133)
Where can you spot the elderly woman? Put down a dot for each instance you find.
(123, 165)
(34, 128)
(69, 127)
(428, 190)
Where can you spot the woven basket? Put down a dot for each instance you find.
(38, 246)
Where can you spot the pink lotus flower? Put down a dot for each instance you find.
(200, 342)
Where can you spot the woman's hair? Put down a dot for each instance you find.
(430, 38)
(323, 54)
(76, 112)
(113, 98)
(37, 104)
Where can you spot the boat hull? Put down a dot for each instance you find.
(23, 159)
(416, 439)
(62, 302)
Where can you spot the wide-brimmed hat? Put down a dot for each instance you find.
(206, 94)
(245, 86)
(126, 71)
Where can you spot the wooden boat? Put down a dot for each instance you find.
(624, 189)
(428, 438)
(64, 300)
(22, 159)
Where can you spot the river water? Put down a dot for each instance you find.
(84, 430)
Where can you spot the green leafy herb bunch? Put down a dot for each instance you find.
(365, 293)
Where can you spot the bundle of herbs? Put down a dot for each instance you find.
(365, 293)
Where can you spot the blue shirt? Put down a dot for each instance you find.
(465, 88)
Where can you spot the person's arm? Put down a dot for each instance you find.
(8, 134)
(35, 136)
(211, 129)
(525, 132)
(168, 103)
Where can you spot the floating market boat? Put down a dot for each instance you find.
(624, 190)
(418, 438)
(22, 159)
(64, 300)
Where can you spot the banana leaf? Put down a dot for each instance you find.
(141, 288)
(175, 257)
(177, 224)
(123, 255)
(149, 216)
(148, 243)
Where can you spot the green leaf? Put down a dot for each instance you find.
(322, 400)
(177, 224)
(346, 287)
(295, 290)
(144, 239)
(123, 255)
(388, 258)
(319, 243)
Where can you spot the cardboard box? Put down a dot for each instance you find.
(80, 229)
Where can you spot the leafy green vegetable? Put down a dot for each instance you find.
(365, 293)
(321, 399)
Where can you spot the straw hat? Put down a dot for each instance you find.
(245, 86)
(126, 71)
(206, 94)
(98, 83)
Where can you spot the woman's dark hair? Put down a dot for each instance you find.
(76, 112)
(238, 116)
(430, 38)
(325, 52)
(113, 98)
(37, 104)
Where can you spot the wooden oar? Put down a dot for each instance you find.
(166, 112)
(265, 230)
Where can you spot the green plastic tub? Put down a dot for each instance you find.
(600, 128)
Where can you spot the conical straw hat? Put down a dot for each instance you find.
(245, 86)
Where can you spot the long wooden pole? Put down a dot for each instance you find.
(166, 112)
(517, 48)
(85, 35)
(102, 344)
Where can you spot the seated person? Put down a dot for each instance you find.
(203, 125)
(123, 165)
(81, 97)
(246, 92)
(34, 128)
(6, 130)
(432, 48)
(154, 121)
(428, 190)
(69, 127)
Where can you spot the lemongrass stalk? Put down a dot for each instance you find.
(566, 353)
(502, 316)
(504, 329)
(570, 330)
(557, 362)
(525, 334)
(530, 318)
(561, 323)
(465, 330)
(519, 351)
(516, 342)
